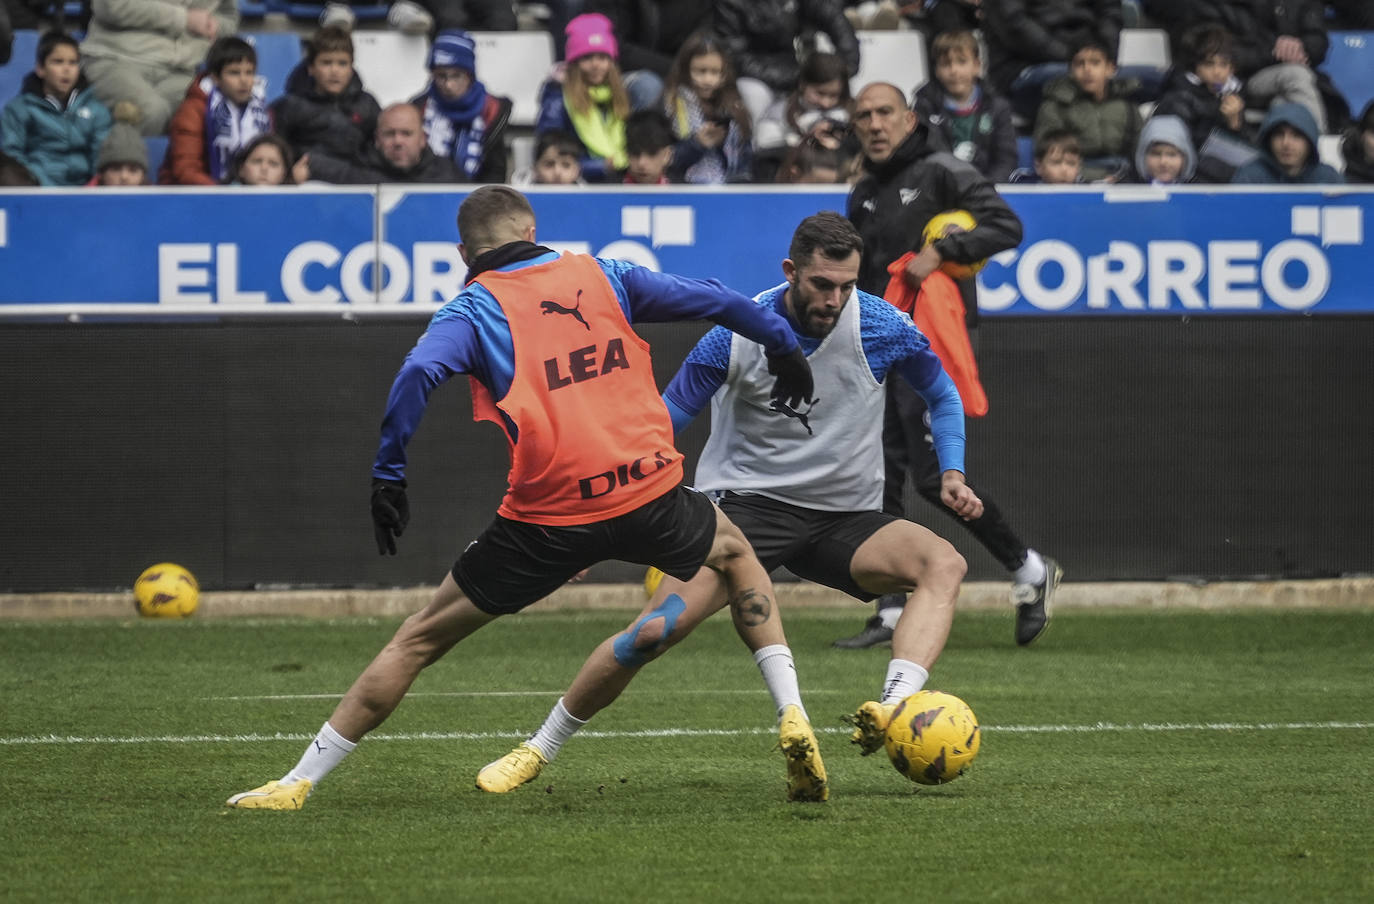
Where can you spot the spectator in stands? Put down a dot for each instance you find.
(1030, 42)
(1096, 106)
(55, 126)
(405, 16)
(1164, 154)
(1277, 47)
(224, 110)
(650, 33)
(709, 118)
(473, 15)
(1203, 91)
(1058, 161)
(266, 160)
(649, 144)
(325, 107)
(1288, 151)
(950, 15)
(1358, 148)
(761, 38)
(6, 35)
(811, 163)
(149, 52)
(817, 109)
(465, 123)
(975, 121)
(400, 154)
(123, 159)
(557, 161)
(14, 174)
(586, 97)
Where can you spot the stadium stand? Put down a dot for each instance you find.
(898, 57)
(278, 53)
(392, 65)
(20, 64)
(514, 64)
(1350, 63)
(157, 149)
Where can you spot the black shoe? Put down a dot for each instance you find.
(1033, 603)
(874, 634)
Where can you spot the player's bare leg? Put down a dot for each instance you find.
(906, 557)
(420, 641)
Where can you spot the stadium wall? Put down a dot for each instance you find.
(1133, 442)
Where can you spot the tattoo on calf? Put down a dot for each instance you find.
(752, 607)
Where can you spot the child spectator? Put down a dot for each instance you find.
(818, 110)
(709, 119)
(55, 126)
(223, 111)
(557, 161)
(1098, 108)
(811, 163)
(1358, 148)
(1164, 155)
(1288, 151)
(123, 159)
(976, 123)
(649, 145)
(266, 160)
(464, 122)
(1058, 161)
(325, 106)
(586, 97)
(1204, 92)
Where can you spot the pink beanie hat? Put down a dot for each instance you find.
(589, 33)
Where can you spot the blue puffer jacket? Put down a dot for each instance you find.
(58, 146)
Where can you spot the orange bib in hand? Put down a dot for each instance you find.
(594, 439)
(939, 313)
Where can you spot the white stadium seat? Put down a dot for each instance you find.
(898, 57)
(514, 64)
(391, 65)
(1144, 47)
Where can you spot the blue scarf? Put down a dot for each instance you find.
(229, 128)
(456, 128)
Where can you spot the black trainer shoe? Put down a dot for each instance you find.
(874, 634)
(1033, 603)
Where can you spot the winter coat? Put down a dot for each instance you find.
(340, 125)
(1256, 24)
(553, 114)
(372, 168)
(761, 36)
(154, 33)
(1358, 167)
(992, 151)
(1165, 130)
(1265, 170)
(494, 117)
(58, 146)
(1022, 33)
(891, 204)
(1220, 149)
(188, 145)
(650, 32)
(1107, 128)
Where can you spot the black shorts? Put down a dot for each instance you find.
(515, 563)
(815, 545)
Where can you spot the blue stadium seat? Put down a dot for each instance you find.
(278, 54)
(1350, 63)
(20, 64)
(375, 12)
(1025, 152)
(157, 149)
(256, 9)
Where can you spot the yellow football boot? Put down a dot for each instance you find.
(511, 771)
(274, 796)
(805, 772)
(870, 725)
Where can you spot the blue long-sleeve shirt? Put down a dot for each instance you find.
(470, 335)
(891, 344)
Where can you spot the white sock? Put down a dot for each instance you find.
(780, 675)
(557, 728)
(1032, 571)
(324, 753)
(904, 678)
(889, 616)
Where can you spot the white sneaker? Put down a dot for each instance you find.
(409, 18)
(339, 15)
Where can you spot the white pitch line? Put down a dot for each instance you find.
(676, 692)
(1096, 727)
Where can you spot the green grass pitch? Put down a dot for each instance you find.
(1142, 756)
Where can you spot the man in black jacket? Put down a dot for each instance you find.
(400, 154)
(1031, 42)
(908, 179)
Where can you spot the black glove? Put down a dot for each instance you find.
(794, 383)
(390, 513)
